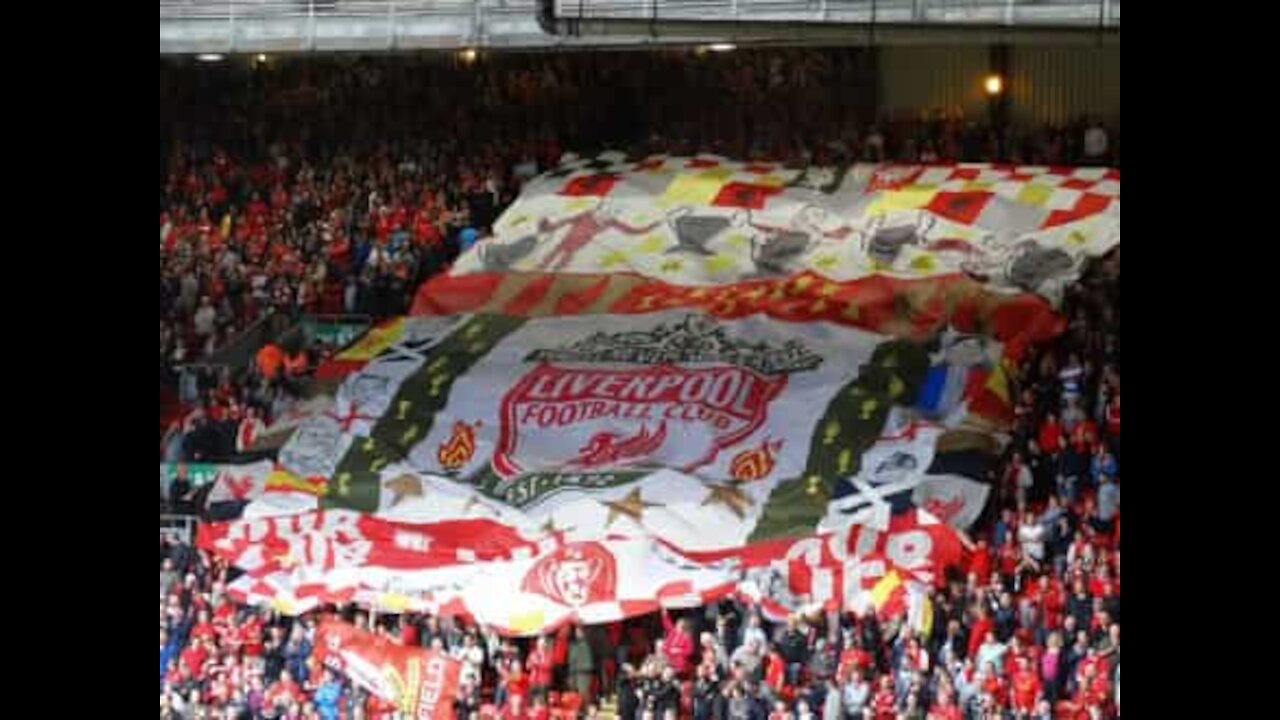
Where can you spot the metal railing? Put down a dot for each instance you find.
(991, 12)
(250, 26)
(178, 528)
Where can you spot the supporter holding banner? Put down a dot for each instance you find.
(420, 683)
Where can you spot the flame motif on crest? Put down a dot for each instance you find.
(459, 447)
(756, 463)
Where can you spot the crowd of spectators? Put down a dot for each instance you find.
(1029, 627)
(335, 186)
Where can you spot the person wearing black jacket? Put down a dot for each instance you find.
(1080, 605)
(705, 691)
(794, 647)
(758, 708)
(662, 694)
(720, 702)
(869, 627)
(626, 689)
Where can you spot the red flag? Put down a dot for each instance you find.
(421, 683)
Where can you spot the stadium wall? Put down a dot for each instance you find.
(1046, 83)
(912, 78)
(1055, 84)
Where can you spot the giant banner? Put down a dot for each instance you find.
(728, 415)
(496, 576)
(708, 221)
(421, 683)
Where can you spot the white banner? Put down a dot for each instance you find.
(710, 221)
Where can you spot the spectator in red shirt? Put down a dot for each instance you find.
(1051, 435)
(1025, 687)
(540, 667)
(677, 645)
(884, 704)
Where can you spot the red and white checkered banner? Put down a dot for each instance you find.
(709, 221)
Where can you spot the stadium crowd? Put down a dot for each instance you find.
(275, 196)
(1028, 628)
(348, 214)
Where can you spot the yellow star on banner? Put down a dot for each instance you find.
(474, 501)
(923, 263)
(519, 220)
(825, 262)
(737, 241)
(719, 263)
(632, 506)
(613, 257)
(651, 244)
(579, 204)
(671, 266)
(731, 496)
(549, 527)
(403, 486)
(1077, 238)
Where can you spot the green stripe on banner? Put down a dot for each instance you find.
(421, 396)
(533, 487)
(851, 424)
